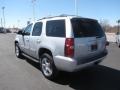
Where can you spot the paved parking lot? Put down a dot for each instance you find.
(24, 74)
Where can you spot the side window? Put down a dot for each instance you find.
(37, 29)
(55, 28)
(28, 29)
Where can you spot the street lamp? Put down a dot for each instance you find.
(76, 7)
(3, 8)
(1, 23)
(33, 2)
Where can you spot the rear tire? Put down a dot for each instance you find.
(48, 67)
(18, 51)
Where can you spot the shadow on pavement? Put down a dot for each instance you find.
(33, 63)
(96, 78)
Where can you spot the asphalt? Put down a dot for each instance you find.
(24, 74)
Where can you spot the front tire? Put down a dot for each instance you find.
(48, 67)
(18, 51)
(119, 44)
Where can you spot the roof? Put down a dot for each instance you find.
(63, 15)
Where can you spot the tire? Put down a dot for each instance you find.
(18, 51)
(118, 43)
(48, 67)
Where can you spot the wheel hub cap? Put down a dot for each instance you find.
(46, 67)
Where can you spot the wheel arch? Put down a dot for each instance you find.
(41, 51)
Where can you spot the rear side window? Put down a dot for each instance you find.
(55, 28)
(37, 29)
(86, 28)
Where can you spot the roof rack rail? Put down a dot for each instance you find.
(62, 15)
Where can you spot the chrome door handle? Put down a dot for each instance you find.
(27, 40)
(38, 41)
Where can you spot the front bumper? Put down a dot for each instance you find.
(71, 65)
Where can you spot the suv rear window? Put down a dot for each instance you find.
(86, 28)
(55, 28)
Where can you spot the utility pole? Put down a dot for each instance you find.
(33, 2)
(1, 23)
(76, 7)
(3, 8)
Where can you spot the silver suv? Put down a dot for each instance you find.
(62, 43)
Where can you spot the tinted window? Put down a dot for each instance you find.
(55, 28)
(28, 29)
(37, 29)
(86, 28)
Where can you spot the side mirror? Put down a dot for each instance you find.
(20, 32)
(25, 33)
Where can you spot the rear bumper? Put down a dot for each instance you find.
(71, 65)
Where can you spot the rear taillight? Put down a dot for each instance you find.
(69, 47)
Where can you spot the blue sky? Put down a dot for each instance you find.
(18, 12)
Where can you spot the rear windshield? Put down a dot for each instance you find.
(86, 28)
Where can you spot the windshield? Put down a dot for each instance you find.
(86, 28)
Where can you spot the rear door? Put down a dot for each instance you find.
(89, 37)
(35, 39)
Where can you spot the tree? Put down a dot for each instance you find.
(105, 25)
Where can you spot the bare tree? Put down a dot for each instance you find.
(105, 25)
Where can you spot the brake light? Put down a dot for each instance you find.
(69, 47)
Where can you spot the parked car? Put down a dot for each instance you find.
(118, 39)
(1, 30)
(62, 43)
(8, 30)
